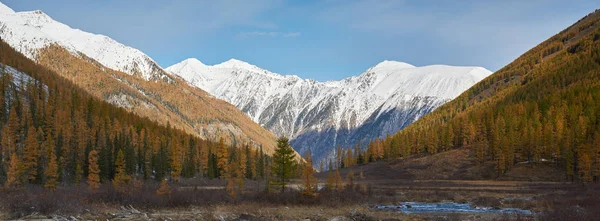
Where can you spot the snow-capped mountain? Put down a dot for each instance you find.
(321, 115)
(126, 77)
(32, 30)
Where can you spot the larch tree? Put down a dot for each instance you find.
(175, 159)
(13, 127)
(121, 177)
(230, 176)
(15, 171)
(243, 161)
(330, 180)
(337, 180)
(31, 155)
(93, 178)
(163, 189)
(350, 177)
(8, 147)
(585, 168)
(308, 179)
(596, 150)
(222, 157)
(51, 172)
(283, 167)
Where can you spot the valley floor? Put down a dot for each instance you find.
(419, 179)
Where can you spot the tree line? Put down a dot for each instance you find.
(53, 133)
(542, 108)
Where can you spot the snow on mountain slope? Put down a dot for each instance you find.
(125, 77)
(322, 115)
(5, 9)
(29, 31)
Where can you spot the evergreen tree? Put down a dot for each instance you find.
(283, 163)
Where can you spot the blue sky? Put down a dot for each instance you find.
(323, 40)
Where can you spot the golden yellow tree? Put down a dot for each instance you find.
(15, 170)
(164, 188)
(330, 180)
(93, 170)
(243, 161)
(222, 157)
(585, 168)
(596, 149)
(51, 172)
(350, 177)
(121, 178)
(176, 155)
(337, 179)
(229, 176)
(31, 155)
(308, 179)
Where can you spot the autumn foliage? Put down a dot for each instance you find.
(542, 108)
(53, 132)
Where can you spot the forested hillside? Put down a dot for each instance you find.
(542, 107)
(54, 132)
(128, 78)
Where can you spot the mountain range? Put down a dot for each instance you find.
(316, 116)
(319, 116)
(128, 78)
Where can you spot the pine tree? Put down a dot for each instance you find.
(283, 163)
(308, 179)
(121, 178)
(93, 178)
(252, 157)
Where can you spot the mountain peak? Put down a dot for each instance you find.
(193, 61)
(5, 9)
(393, 64)
(237, 64)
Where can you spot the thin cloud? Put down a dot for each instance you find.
(273, 34)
